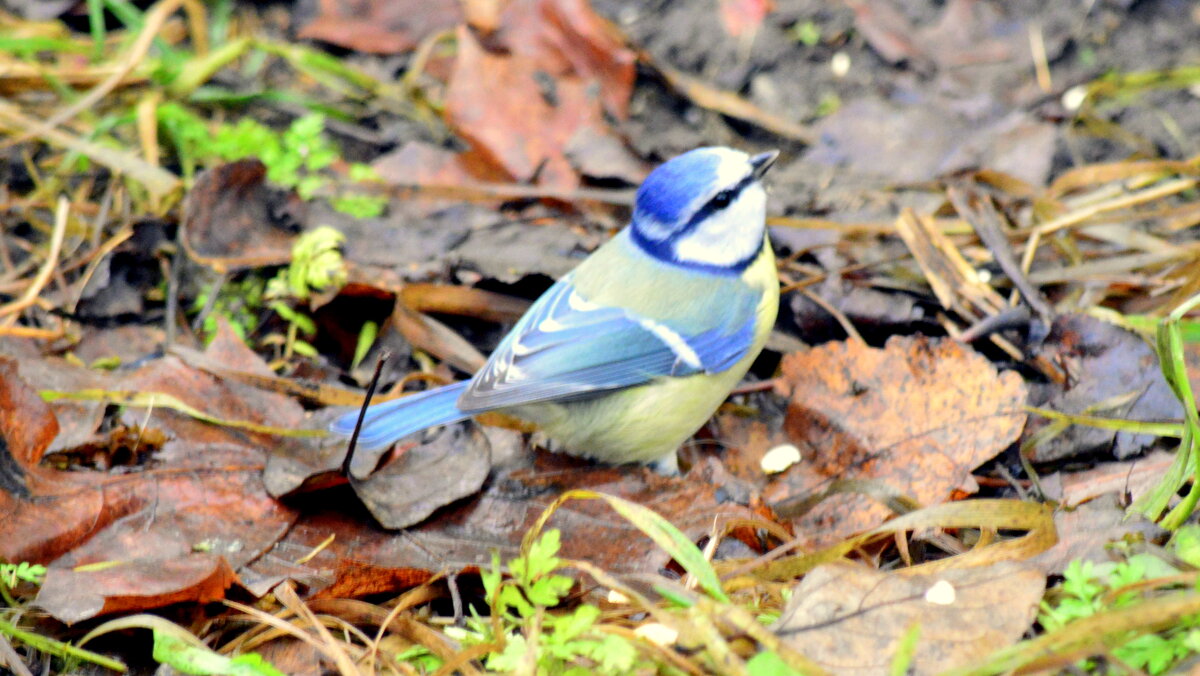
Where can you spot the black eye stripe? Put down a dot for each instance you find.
(663, 247)
(711, 207)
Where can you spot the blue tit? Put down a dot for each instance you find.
(630, 353)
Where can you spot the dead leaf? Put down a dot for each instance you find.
(129, 586)
(850, 619)
(743, 17)
(410, 241)
(916, 417)
(450, 466)
(1087, 531)
(380, 26)
(292, 656)
(1109, 367)
(464, 301)
(127, 344)
(567, 38)
(420, 164)
(118, 287)
(1133, 478)
(512, 251)
(462, 536)
(876, 137)
(885, 29)
(233, 219)
(171, 530)
(521, 120)
(967, 33)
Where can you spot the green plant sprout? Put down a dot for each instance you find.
(1169, 343)
(532, 637)
(295, 159)
(316, 266)
(239, 303)
(1090, 588)
(12, 573)
(807, 33)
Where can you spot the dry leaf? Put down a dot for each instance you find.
(380, 26)
(568, 38)
(463, 535)
(850, 619)
(193, 515)
(232, 219)
(916, 417)
(497, 103)
(450, 466)
(1111, 372)
(1086, 531)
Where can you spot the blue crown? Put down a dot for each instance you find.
(665, 196)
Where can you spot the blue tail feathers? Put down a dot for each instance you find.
(393, 420)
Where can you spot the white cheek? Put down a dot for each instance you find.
(731, 235)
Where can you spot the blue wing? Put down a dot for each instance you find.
(566, 346)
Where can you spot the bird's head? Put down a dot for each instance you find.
(704, 209)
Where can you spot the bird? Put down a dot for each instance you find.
(628, 355)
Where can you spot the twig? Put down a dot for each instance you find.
(1127, 200)
(986, 222)
(155, 19)
(61, 212)
(9, 658)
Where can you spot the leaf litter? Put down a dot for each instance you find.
(155, 452)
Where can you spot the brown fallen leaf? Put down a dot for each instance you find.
(233, 219)
(875, 137)
(380, 26)
(568, 38)
(1086, 532)
(422, 165)
(464, 301)
(496, 103)
(1112, 372)
(192, 515)
(133, 585)
(851, 619)
(914, 418)
(743, 18)
(450, 466)
(461, 536)
(1133, 478)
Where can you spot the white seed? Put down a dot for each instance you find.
(1073, 98)
(780, 458)
(840, 64)
(658, 634)
(942, 593)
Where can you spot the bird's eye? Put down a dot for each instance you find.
(722, 199)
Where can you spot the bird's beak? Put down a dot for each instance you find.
(762, 162)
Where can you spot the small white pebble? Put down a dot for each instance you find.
(840, 64)
(617, 598)
(780, 458)
(942, 593)
(658, 634)
(1073, 98)
(985, 276)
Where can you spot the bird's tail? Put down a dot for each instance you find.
(393, 420)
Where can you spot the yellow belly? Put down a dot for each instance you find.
(648, 423)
